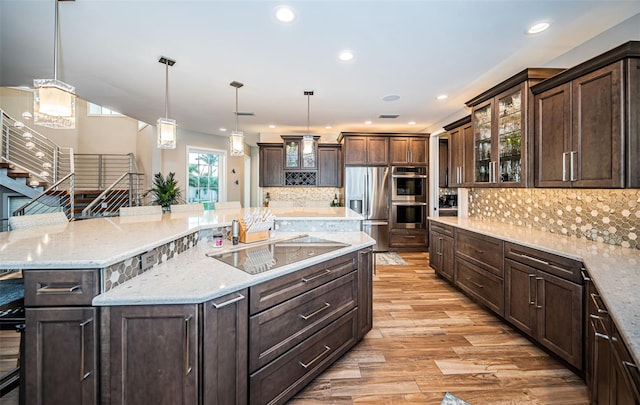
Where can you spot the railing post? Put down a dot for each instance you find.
(99, 172)
(72, 196)
(56, 162)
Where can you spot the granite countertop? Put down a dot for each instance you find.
(192, 277)
(100, 242)
(615, 270)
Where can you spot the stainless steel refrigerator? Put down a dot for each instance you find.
(367, 193)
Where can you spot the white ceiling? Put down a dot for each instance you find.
(109, 50)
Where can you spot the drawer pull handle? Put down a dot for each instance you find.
(187, 335)
(585, 277)
(327, 349)
(316, 312)
(535, 259)
(597, 301)
(316, 276)
(240, 297)
(83, 375)
(601, 335)
(477, 250)
(49, 289)
(476, 284)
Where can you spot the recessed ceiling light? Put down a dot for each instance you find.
(367, 123)
(345, 55)
(272, 126)
(412, 123)
(538, 28)
(442, 97)
(328, 127)
(285, 14)
(223, 129)
(391, 97)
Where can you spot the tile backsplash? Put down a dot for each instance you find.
(609, 216)
(300, 196)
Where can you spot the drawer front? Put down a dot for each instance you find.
(273, 292)
(408, 238)
(45, 288)
(557, 265)
(278, 329)
(281, 379)
(481, 250)
(480, 284)
(441, 228)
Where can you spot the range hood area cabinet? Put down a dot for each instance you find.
(502, 126)
(283, 164)
(383, 149)
(587, 123)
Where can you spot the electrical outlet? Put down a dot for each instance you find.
(148, 259)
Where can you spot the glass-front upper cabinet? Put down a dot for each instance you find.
(482, 125)
(510, 137)
(300, 153)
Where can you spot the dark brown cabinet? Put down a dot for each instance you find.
(271, 165)
(460, 135)
(441, 250)
(543, 298)
(365, 149)
(224, 349)
(443, 162)
(329, 165)
(365, 292)
(153, 354)
(409, 239)
(587, 123)
(409, 150)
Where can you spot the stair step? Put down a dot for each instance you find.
(5, 165)
(15, 175)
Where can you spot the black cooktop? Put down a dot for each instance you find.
(258, 259)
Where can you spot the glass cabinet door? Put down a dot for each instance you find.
(291, 155)
(510, 137)
(482, 143)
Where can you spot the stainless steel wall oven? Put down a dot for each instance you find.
(409, 183)
(408, 215)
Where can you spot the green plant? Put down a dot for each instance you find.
(165, 191)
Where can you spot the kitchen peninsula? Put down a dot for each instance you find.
(191, 328)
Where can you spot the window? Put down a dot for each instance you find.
(206, 169)
(98, 110)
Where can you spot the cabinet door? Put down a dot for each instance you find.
(510, 139)
(519, 296)
(559, 317)
(600, 363)
(224, 349)
(271, 166)
(365, 292)
(355, 150)
(443, 167)
(61, 362)
(329, 166)
(400, 151)
(153, 355)
(597, 115)
(435, 251)
(378, 150)
(418, 151)
(446, 247)
(552, 136)
(482, 119)
(455, 155)
(468, 168)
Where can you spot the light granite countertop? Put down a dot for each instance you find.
(192, 277)
(100, 242)
(615, 270)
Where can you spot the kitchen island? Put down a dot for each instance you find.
(135, 307)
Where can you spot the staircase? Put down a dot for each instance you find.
(20, 181)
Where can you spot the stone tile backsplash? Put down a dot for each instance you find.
(300, 196)
(609, 216)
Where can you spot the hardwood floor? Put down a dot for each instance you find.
(428, 338)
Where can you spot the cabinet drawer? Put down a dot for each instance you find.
(562, 267)
(60, 287)
(480, 284)
(481, 250)
(408, 238)
(628, 367)
(273, 292)
(441, 228)
(278, 329)
(282, 378)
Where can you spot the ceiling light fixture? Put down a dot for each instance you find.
(367, 122)
(307, 140)
(272, 126)
(442, 97)
(411, 123)
(236, 140)
(328, 127)
(391, 97)
(345, 56)
(54, 101)
(538, 28)
(285, 14)
(166, 127)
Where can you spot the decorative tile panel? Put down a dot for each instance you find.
(300, 195)
(609, 216)
(318, 226)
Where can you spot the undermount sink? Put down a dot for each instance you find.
(258, 259)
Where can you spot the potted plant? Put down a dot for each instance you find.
(165, 191)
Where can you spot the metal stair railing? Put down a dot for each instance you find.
(100, 171)
(123, 192)
(58, 197)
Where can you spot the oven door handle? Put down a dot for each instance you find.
(413, 203)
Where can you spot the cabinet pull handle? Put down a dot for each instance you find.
(495, 171)
(490, 172)
(187, 335)
(461, 174)
(316, 276)
(478, 251)
(327, 349)
(572, 163)
(476, 284)
(564, 166)
(83, 374)
(61, 289)
(316, 312)
(538, 300)
(601, 335)
(535, 259)
(531, 278)
(585, 276)
(410, 236)
(632, 372)
(597, 301)
(240, 297)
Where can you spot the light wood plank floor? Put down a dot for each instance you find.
(428, 338)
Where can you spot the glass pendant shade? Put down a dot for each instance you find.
(167, 130)
(236, 143)
(307, 144)
(54, 104)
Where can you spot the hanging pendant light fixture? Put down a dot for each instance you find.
(236, 141)
(54, 101)
(307, 140)
(166, 127)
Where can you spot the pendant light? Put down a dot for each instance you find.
(236, 141)
(54, 101)
(307, 140)
(166, 127)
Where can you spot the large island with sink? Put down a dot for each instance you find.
(146, 310)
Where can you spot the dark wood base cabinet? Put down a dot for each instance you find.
(441, 249)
